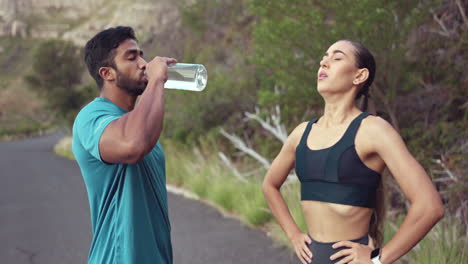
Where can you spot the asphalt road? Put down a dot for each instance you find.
(44, 216)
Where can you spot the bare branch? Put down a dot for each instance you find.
(444, 179)
(446, 170)
(292, 178)
(462, 12)
(444, 34)
(277, 129)
(444, 31)
(239, 143)
(253, 172)
(228, 163)
(273, 125)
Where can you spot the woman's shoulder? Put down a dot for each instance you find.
(300, 129)
(375, 127)
(296, 134)
(376, 124)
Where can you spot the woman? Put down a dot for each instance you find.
(339, 159)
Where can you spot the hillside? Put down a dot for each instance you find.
(25, 23)
(262, 58)
(77, 21)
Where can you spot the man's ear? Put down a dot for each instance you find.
(107, 73)
(361, 76)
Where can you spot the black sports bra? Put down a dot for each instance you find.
(336, 174)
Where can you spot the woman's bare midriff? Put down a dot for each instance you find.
(329, 222)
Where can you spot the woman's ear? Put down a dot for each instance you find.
(107, 73)
(361, 76)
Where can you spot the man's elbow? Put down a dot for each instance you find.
(133, 159)
(134, 154)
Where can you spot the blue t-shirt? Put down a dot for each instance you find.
(128, 202)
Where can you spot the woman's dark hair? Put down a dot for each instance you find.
(364, 59)
(100, 50)
(376, 225)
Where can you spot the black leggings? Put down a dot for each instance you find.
(322, 251)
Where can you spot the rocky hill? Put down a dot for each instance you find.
(79, 20)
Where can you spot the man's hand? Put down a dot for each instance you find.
(156, 69)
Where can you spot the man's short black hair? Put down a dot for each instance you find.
(100, 50)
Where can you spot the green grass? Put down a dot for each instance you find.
(444, 244)
(63, 148)
(22, 130)
(205, 175)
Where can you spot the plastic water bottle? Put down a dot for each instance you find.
(185, 76)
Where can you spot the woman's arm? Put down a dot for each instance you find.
(274, 179)
(426, 206)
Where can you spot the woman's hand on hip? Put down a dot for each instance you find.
(354, 253)
(301, 244)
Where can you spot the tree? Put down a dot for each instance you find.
(56, 73)
(291, 37)
(217, 35)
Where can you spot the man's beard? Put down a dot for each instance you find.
(132, 87)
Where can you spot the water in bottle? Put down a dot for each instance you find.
(184, 76)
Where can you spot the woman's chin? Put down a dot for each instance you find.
(321, 88)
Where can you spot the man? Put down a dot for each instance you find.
(115, 142)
